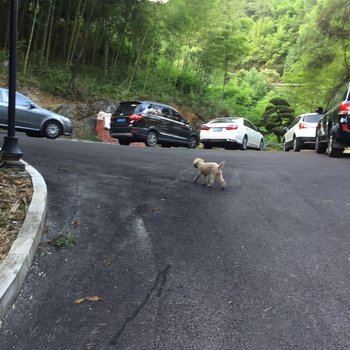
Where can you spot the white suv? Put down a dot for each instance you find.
(301, 133)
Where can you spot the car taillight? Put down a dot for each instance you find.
(204, 127)
(344, 108)
(304, 125)
(345, 127)
(232, 127)
(135, 117)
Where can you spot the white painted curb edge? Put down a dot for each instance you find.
(14, 268)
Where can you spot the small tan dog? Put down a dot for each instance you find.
(210, 171)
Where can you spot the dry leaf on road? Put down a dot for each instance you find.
(94, 298)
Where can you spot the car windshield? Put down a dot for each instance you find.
(312, 118)
(126, 108)
(224, 120)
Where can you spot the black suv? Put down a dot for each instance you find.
(152, 123)
(333, 129)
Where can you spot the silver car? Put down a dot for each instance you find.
(33, 119)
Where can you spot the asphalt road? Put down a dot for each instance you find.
(262, 265)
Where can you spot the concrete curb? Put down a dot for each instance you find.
(14, 268)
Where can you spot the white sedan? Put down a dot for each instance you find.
(231, 132)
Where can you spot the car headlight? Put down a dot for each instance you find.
(67, 121)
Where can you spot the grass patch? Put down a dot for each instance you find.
(65, 240)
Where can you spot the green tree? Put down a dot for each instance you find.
(278, 115)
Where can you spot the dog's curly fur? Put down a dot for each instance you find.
(209, 171)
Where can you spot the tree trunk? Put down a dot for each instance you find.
(74, 35)
(106, 47)
(52, 19)
(224, 83)
(31, 38)
(122, 37)
(137, 61)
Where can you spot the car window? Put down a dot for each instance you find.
(295, 121)
(224, 120)
(126, 108)
(21, 100)
(153, 109)
(248, 124)
(177, 116)
(312, 118)
(166, 112)
(2, 95)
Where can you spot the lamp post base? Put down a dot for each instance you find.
(11, 154)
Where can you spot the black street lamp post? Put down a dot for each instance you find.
(11, 154)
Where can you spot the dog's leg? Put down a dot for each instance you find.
(222, 181)
(210, 181)
(196, 177)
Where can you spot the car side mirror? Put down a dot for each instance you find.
(319, 110)
(31, 105)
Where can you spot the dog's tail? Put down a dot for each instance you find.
(221, 165)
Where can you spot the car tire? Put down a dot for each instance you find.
(206, 146)
(244, 144)
(124, 142)
(192, 142)
(296, 145)
(52, 129)
(152, 139)
(285, 148)
(261, 145)
(320, 147)
(334, 152)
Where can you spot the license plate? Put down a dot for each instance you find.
(217, 129)
(121, 120)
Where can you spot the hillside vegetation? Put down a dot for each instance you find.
(213, 56)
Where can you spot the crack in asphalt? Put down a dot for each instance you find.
(158, 286)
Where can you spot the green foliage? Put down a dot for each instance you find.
(64, 241)
(278, 115)
(215, 56)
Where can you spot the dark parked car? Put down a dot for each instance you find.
(33, 119)
(333, 129)
(152, 123)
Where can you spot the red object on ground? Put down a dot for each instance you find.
(104, 136)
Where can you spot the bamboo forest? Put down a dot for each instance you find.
(214, 56)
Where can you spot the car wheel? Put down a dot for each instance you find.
(124, 142)
(296, 145)
(334, 152)
(285, 148)
(52, 129)
(152, 139)
(192, 142)
(320, 147)
(244, 144)
(261, 145)
(206, 146)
